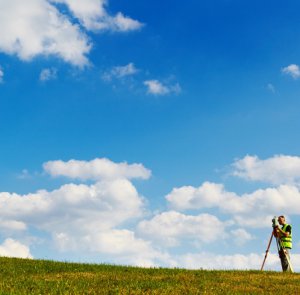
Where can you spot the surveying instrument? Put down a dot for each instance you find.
(279, 243)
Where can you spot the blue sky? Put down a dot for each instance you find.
(161, 134)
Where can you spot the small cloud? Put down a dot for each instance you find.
(119, 72)
(1, 75)
(48, 74)
(271, 88)
(24, 174)
(292, 70)
(156, 87)
(125, 24)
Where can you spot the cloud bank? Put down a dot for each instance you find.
(108, 220)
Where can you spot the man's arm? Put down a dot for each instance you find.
(286, 234)
(278, 232)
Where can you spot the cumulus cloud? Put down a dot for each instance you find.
(93, 15)
(96, 169)
(156, 87)
(292, 70)
(35, 27)
(78, 208)
(106, 220)
(13, 248)
(119, 246)
(171, 228)
(38, 27)
(254, 209)
(207, 195)
(279, 169)
(120, 72)
(48, 74)
(83, 218)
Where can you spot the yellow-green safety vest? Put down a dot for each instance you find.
(286, 242)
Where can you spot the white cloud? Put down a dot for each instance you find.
(13, 248)
(48, 74)
(240, 236)
(123, 23)
(12, 225)
(120, 72)
(96, 169)
(38, 28)
(103, 221)
(93, 15)
(171, 228)
(86, 218)
(292, 70)
(156, 87)
(124, 247)
(208, 195)
(83, 218)
(255, 209)
(75, 208)
(279, 169)
(34, 27)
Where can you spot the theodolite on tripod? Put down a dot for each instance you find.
(280, 247)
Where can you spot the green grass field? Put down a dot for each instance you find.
(24, 276)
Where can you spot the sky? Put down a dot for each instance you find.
(148, 133)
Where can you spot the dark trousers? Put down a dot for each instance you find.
(284, 256)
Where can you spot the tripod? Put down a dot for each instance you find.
(280, 249)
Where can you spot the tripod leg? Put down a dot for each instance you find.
(262, 267)
(283, 251)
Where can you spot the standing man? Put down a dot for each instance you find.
(284, 235)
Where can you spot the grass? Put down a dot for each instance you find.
(25, 276)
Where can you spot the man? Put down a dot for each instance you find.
(284, 235)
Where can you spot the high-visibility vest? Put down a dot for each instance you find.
(286, 242)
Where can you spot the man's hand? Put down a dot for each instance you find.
(275, 232)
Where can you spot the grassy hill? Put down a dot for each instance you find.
(24, 276)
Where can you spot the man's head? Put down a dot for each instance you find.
(281, 220)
